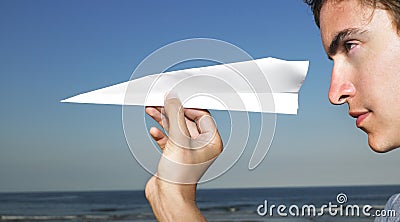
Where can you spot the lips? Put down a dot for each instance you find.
(360, 117)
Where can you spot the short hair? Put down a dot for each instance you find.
(392, 6)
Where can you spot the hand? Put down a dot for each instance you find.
(192, 144)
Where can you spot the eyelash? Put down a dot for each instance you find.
(349, 45)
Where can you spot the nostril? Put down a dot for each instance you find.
(342, 99)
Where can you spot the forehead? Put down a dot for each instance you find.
(336, 16)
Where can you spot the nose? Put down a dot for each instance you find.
(342, 88)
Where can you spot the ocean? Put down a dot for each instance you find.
(216, 204)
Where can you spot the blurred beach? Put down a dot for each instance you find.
(216, 204)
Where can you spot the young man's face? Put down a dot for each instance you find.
(365, 48)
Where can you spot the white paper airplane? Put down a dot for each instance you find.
(263, 85)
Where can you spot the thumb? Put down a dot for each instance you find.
(178, 130)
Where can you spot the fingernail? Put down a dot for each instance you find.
(171, 95)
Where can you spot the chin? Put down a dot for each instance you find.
(380, 145)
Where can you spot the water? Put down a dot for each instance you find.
(216, 205)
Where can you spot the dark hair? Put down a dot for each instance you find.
(392, 6)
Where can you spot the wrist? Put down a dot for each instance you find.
(176, 193)
(173, 202)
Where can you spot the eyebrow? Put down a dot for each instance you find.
(339, 38)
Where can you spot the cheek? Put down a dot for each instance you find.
(384, 57)
(363, 78)
(386, 78)
(377, 76)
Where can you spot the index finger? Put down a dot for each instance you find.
(177, 129)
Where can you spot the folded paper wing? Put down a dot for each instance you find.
(263, 85)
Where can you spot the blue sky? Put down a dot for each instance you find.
(50, 50)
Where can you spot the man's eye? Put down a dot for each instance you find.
(349, 45)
